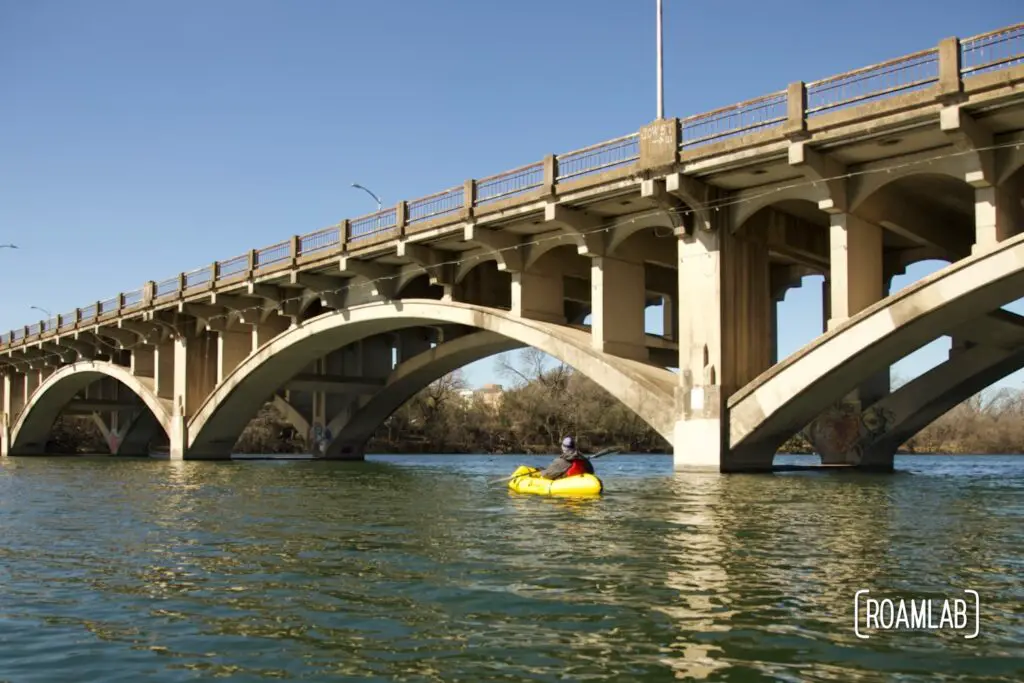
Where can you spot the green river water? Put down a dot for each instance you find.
(412, 568)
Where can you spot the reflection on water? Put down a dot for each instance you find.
(412, 568)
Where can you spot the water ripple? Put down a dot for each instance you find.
(413, 569)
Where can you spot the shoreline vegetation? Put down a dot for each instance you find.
(545, 403)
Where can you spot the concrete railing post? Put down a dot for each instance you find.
(294, 247)
(401, 217)
(468, 197)
(659, 144)
(253, 263)
(796, 110)
(214, 274)
(182, 284)
(148, 293)
(343, 230)
(550, 174)
(950, 84)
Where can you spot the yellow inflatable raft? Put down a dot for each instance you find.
(526, 480)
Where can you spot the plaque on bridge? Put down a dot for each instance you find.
(659, 144)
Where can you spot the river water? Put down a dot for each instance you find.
(412, 568)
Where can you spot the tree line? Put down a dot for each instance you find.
(544, 402)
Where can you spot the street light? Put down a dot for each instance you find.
(48, 314)
(8, 246)
(376, 198)
(661, 80)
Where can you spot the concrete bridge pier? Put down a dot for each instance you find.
(724, 329)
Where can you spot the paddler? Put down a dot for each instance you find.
(569, 462)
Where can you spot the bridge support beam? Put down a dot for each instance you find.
(618, 300)
(722, 333)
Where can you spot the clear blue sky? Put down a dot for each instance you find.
(140, 139)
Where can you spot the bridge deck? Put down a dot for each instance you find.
(862, 116)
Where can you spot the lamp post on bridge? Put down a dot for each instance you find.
(375, 197)
(48, 314)
(8, 246)
(660, 76)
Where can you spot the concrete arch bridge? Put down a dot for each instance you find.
(713, 217)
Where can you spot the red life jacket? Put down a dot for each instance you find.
(577, 467)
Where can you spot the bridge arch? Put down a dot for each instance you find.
(917, 404)
(924, 165)
(802, 195)
(789, 395)
(658, 223)
(31, 430)
(354, 430)
(646, 389)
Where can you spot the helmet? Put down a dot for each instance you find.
(568, 442)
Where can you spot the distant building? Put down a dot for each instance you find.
(491, 394)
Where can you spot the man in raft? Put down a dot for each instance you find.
(568, 463)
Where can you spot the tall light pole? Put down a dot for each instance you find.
(661, 80)
(376, 198)
(48, 314)
(8, 246)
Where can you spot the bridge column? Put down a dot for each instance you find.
(13, 403)
(539, 294)
(195, 376)
(143, 361)
(266, 330)
(31, 382)
(669, 317)
(412, 342)
(163, 369)
(995, 217)
(233, 347)
(485, 285)
(724, 342)
(857, 280)
(4, 418)
(618, 299)
(856, 277)
(376, 362)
